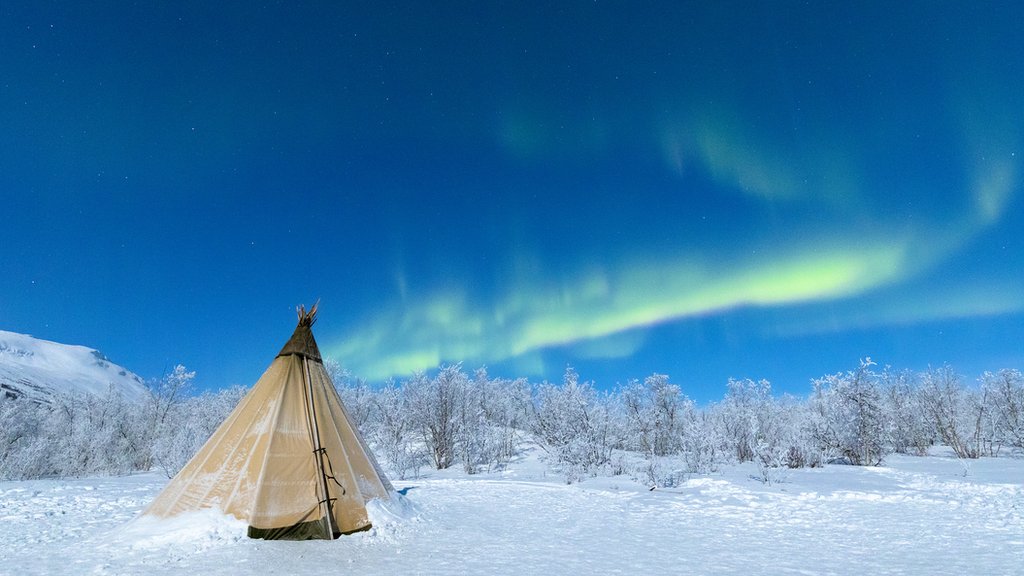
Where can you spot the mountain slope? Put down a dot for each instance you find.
(37, 369)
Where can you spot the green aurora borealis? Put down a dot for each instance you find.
(712, 191)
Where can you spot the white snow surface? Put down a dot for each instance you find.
(37, 369)
(924, 516)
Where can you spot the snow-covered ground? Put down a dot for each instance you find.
(913, 516)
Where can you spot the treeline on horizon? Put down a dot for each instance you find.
(649, 430)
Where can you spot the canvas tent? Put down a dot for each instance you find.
(288, 459)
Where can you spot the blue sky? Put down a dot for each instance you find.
(737, 190)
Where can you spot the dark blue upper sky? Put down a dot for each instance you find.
(708, 190)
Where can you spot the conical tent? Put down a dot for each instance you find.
(288, 459)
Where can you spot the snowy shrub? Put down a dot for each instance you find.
(657, 421)
(507, 407)
(1004, 392)
(573, 424)
(852, 419)
(755, 426)
(190, 424)
(661, 471)
(474, 441)
(655, 414)
(22, 441)
(491, 414)
(958, 414)
(910, 431)
(741, 415)
(771, 463)
(73, 435)
(164, 417)
(356, 395)
(804, 450)
(435, 405)
(649, 430)
(704, 447)
(392, 433)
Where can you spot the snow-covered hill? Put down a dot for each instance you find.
(37, 369)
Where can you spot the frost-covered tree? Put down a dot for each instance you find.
(655, 414)
(473, 443)
(1004, 391)
(742, 415)
(162, 411)
(356, 395)
(436, 405)
(756, 426)
(910, 430)
(23, 441)
(491, 415)
(190, 424)
(573, 424)
(506, 405)
(649, 429)
(797, 434)
(852, 421)
(71, 435)
(704, 447)
(958, 414)
(394, 434)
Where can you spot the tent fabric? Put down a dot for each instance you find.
(288, 459)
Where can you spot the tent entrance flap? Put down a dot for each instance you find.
(312, 530)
